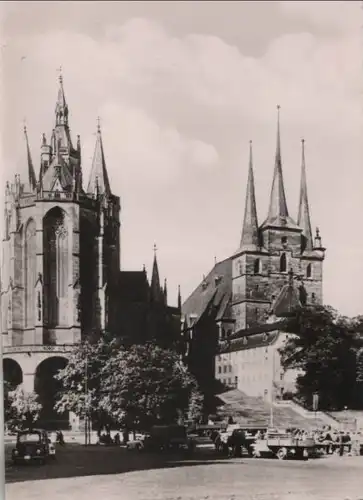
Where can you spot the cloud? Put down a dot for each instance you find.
(174, 108)
(340, 16)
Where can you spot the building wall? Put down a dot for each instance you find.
(258, 277)
(256, 371)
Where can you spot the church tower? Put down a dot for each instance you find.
(61, 243)
(271, 254)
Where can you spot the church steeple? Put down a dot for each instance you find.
(98, 170)
(278, 213)
(303, 219)
(250, 239)
(155, 289)
(179, 299)
(32, 180)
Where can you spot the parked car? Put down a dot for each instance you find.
(33, 445)
(163, 438)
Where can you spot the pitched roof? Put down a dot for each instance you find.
(287, 301)
(58, 170)
(214, 291)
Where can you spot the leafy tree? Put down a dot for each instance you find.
(24, 408)
(81, 380)
(144, 385)
(324, 348)
(132, 385)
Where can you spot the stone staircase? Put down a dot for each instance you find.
(251, 411)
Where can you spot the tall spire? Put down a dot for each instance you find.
(303, 219)
(32, 180)
(61, 109)
(155, 281)
(249, 239)
(98, 169)
(179, 299)
(277, 213)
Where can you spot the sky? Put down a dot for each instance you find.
(181, 88)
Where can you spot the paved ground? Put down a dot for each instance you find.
(113, 473)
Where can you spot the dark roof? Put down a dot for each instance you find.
(133, 286)
(215, 290)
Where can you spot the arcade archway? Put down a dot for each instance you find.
(13, 374)
(48, 389)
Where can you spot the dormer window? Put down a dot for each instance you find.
(308, 271)
(283, 263)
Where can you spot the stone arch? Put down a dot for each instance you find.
(48, 389)
(29, 272)
(13, 373)
(56, 266)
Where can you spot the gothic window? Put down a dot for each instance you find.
(256, 266)
(30, 272)
(55, 266)
(308, 271)
(283, 263)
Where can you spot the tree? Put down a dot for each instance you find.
(196, 405)
(81, 380)
(144, 385)
(24, 408)
(323, 347)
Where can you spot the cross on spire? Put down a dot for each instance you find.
(60, 74)
(98, 124)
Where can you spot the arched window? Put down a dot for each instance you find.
(283, 263)
(256, 266)
(56, 266)
(30, 272)
(308, 271)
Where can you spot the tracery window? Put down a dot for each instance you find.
(30, 272)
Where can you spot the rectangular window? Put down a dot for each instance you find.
(224, 369)
(219, 369)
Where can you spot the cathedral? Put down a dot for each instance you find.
(61, 280)
(231, 321)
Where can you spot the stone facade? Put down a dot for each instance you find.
(60, 273)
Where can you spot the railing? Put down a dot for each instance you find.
(253, 295)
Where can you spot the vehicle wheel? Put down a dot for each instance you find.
(281, 453)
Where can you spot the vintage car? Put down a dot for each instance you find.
(33, 445)
(164, 438)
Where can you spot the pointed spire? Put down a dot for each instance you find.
(277, 213)
(155, 280)
(249, 239)
(98, 169)
(61, 109)
(303, 219)
(32, 180)
(179, 299)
